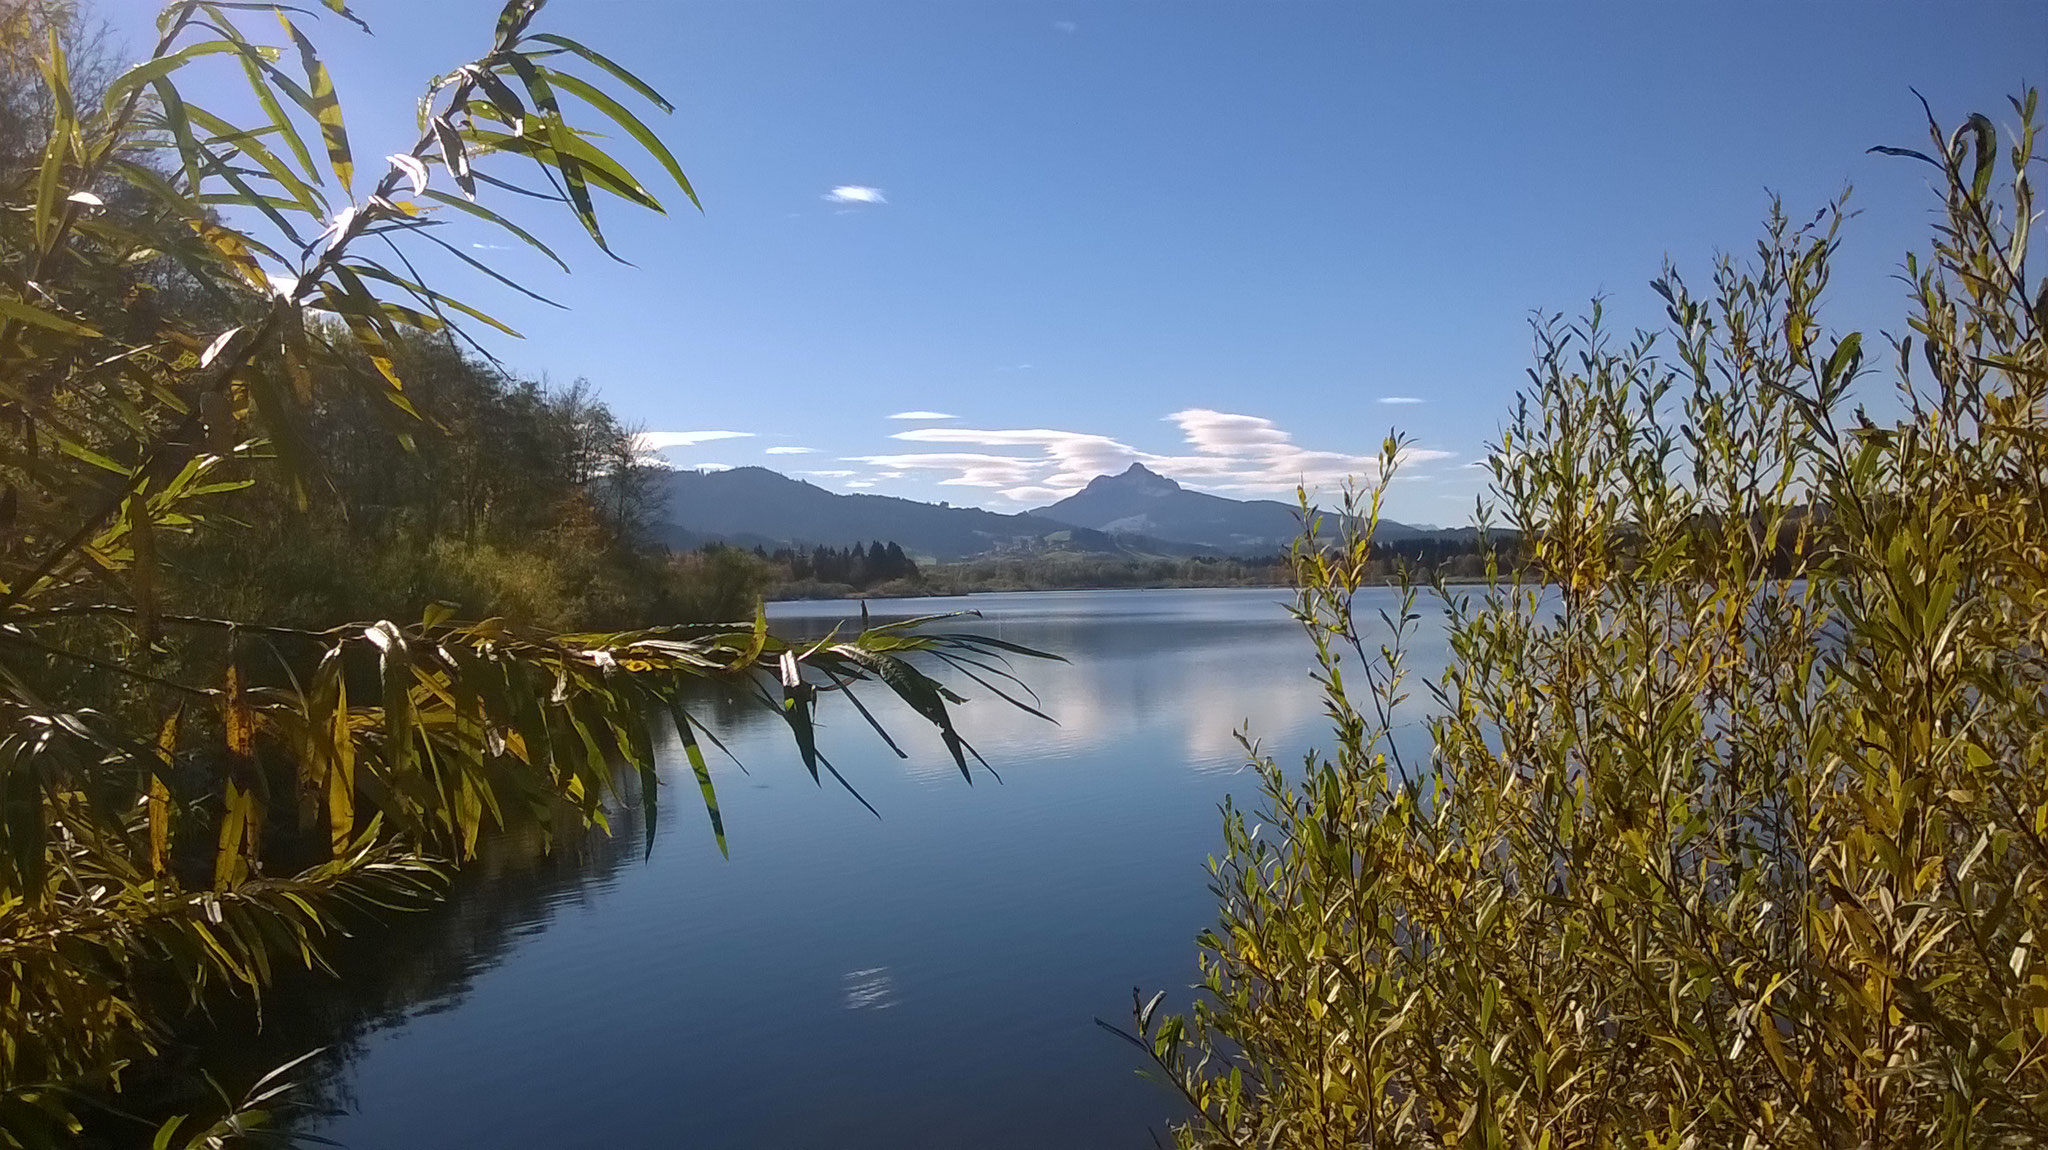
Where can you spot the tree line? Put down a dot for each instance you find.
(511, 500)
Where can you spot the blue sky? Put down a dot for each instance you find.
(1218, 238)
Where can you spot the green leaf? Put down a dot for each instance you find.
(325, 107)
(160, 796)
(622, 75)
(558, 142)
(595, 167)
(341, 9)
(1847, 355)
(483, 213)
(1986, 152)
(57, 149)
(395, 669)
(150, 71)
(16, 309)
(701, 769)
(631, 123)
(267, 100)
(340, 747)
(142, 573)
(242, 813)
(307, 197)
(432, 297)
(454, 156)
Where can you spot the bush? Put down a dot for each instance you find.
(1735, 828)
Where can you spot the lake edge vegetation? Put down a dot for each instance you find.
(1711, 849)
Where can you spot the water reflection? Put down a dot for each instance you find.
(393, 971)
(928, 978)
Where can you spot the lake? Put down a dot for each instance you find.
(926, 979)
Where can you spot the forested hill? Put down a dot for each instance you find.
(753, 506)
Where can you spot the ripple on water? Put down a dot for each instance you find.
(870, 988)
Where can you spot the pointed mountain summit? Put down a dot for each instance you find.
(1141, 501)
(1136, 479)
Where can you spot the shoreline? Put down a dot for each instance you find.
(1459, 581)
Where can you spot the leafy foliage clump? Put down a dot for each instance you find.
(1734, 828)
(203, 321)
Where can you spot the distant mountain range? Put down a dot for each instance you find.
(1137, 513)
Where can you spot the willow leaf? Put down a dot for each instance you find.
(241, 829)
(17, 309)
(249, 144)
(432, 297)
(594, 167)
(325, 107)
(564, 157)
(341, 769)
(150, 71)
(618, 73)
(695, 753)
(160, 796)
(142, 572)
(395, 670)
(640, 132)
(455, 156)
(483, 213)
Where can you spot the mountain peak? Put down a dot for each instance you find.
(1137, 477)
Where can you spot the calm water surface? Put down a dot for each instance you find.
(926, 979)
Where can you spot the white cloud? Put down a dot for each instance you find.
(860, 483)
(1032, 496)
(923, 415)
(1222, 433)
(1076, 456)
(970, 470)
(1401, 399)
(829, 474)
(791, 450)
(647, 441)
(855, 194)
(1067, 26)
(1229, 452)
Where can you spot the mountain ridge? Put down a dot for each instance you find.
(756, 505)
(1137, 513)
(1142, 501)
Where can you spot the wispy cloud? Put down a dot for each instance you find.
(1067, 26)
(855, 194)
(791, 451)
(969, 469)
(1228, 452)
(926, 416)
(647, 441)
(830, 474)
(1400, 399)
